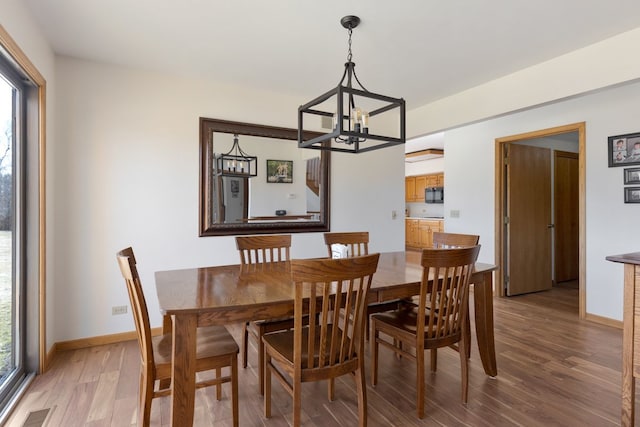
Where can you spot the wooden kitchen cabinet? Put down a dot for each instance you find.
(421, 184)
(419, 232)
(410, 188)
(412, 236)
(414, 186)
(427, 228)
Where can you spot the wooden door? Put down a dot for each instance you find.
(528, 229)
(565, 202)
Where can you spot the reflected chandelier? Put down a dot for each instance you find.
(236, 162)
(351, 111)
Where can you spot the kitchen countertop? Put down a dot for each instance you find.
(425, 217)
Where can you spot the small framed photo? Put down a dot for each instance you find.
(280, 171)
(632, 176)
(624, 150)
(632, 194)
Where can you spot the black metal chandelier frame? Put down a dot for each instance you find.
(352, 137)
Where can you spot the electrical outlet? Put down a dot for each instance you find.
(118, 309)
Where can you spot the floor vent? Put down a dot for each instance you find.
(36, 418)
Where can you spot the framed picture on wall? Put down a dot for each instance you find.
(624, 150)
(632, 176)
(632, 194)
(280, 171)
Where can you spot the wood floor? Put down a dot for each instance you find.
(553, 370)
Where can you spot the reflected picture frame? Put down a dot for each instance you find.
(631, 176)
(632, 194)
(624, 150)
(280, 171)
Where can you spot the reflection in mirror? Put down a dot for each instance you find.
(290, 192)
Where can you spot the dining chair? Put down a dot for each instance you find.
(438, 320)
(454, 240)
(358, 244)
(331, 344)
(264, 253)
(258, 254)
(356, 241)
(215, 349)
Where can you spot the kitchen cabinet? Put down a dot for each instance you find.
(427, 228)
(410, 189)
(421, 184)
(414, 186)
(419, 232)
(412, 236)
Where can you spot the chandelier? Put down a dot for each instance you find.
(236, 162)
(359, 120)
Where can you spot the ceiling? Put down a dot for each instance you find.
(421, 50)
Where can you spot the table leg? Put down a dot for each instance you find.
(483, 304)
(167, 328)
(183, 370)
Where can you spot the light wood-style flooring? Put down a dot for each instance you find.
(553, 370)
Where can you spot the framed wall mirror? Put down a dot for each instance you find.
(289, 192)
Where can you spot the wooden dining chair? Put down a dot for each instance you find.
(454, 240)
(358, 244)
(216, 349)
(257, 254)
(356, 241)
(331, 344)
(264, 253)
(437, 321)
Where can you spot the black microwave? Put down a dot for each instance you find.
(434, 195)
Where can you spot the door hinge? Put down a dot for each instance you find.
(506, 220)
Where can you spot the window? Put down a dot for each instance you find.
(22, 225)
(12, 107)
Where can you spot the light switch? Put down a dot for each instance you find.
(454, 214)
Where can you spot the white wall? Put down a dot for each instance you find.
(424, 167)
(127, 174)
(469, 171)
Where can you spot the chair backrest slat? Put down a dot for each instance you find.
(264, 253)
(336, 292)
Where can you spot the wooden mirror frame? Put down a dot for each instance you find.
(207, 228)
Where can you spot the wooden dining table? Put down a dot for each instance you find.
(220, 295)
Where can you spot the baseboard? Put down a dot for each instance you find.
(95, 341)
(603, 320)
